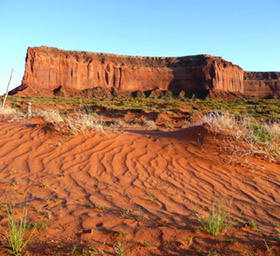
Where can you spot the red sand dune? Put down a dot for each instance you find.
(145, 184)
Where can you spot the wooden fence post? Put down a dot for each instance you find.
(29, 110)
(7, 90)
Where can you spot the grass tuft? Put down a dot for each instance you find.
(119, 250)
(17, 234)
(262, 138)
(84, 123)
(7, 111)
(215, 222)
(51, 116)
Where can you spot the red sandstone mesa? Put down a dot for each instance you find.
(51, 71)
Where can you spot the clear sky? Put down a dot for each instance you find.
(246, 32)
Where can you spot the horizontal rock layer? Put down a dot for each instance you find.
(51, 70)
(262, 84)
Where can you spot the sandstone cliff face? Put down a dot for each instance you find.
(262, 84)
(47, 69)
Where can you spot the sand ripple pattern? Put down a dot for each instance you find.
(160, 176)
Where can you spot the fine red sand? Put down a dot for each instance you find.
(141, 188)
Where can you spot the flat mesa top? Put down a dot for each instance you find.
(126, 59)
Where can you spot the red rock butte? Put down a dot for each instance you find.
(51, 71)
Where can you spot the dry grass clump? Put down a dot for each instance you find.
(273, 130)
(83, 123)
(120, 124)
(261, 138)
(13, 115)
(227, 124)
(7, 111)
(219, 121)
(76, 122)
(51, 116)
(150, 124)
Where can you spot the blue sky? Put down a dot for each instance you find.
(246, 32)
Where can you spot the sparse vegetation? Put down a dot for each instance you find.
(253, 123)
(120, 233)
(150, 124)
(119, 250)
(215, 222)
(151, 198)
(93, 251)
(85, 122)
(51, 116)
(7, 110)
(252, 224)
(147, 244)
(19, 235)
(262, 138)
(230, 240)
(74, 250)
(36, 226)
(212, 253)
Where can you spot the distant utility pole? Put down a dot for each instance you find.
(7, 90)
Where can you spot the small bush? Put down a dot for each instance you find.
(260, 133)
(220, 120)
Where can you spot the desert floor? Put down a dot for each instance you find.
(138, 190)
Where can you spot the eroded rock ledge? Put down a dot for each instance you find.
(51, 71)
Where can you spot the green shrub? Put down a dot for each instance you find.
(260, 133)
(17, 234)
(215, 221)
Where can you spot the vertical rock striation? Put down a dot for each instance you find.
(262, 84)
(51, 71)
(47, 69)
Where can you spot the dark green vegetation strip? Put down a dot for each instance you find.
(266, 109)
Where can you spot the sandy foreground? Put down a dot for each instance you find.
(140, 188)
